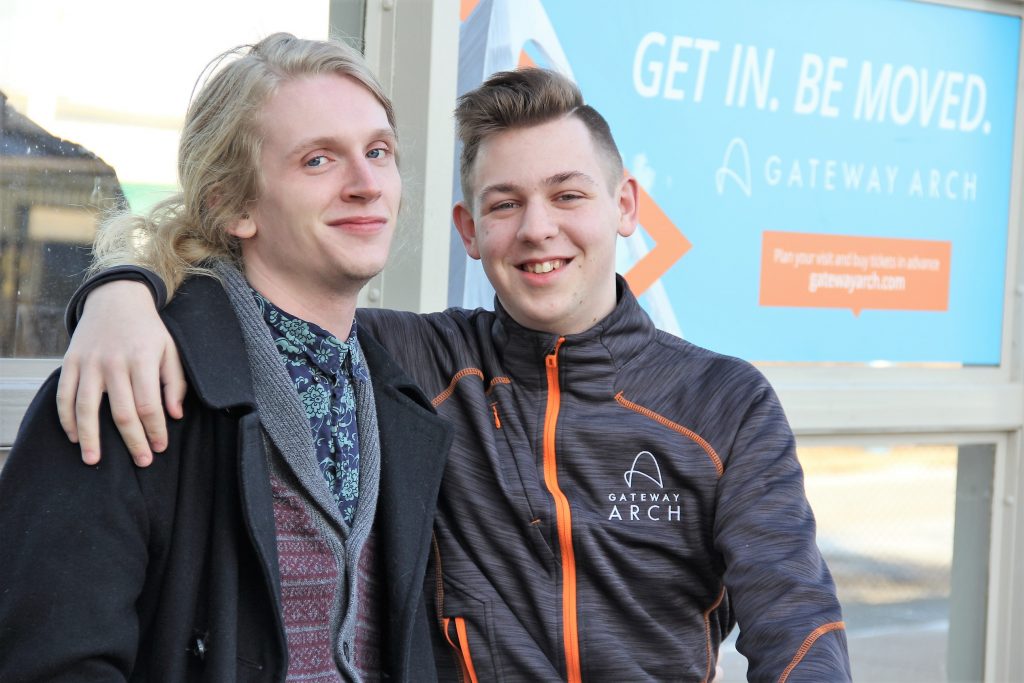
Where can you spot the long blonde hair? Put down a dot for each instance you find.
(218, 158)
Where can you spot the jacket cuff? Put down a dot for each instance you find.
(134, 273)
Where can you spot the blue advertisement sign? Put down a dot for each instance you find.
(823, 181)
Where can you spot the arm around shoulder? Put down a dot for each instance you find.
(73, 313)
(121, 348)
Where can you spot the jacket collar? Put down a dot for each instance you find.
(209, 340)
(611, 343)
(212, 349)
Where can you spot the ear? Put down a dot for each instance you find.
(466, 225)
(629, 205)
(243, 227)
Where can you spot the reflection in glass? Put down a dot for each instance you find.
(52, 193)
(885, 525)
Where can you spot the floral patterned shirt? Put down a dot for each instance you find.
(324, 370)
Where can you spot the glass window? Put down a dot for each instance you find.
(51, 194)
(92, 120)
(886, 518)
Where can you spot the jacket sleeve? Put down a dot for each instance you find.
(74, 556)
(73, 313)
(423, 345)
(780, 588)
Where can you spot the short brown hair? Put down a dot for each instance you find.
(522, 99)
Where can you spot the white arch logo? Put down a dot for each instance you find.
(741, 175)
(628, 476)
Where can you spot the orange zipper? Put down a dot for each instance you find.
(570, 626)
(467, 672)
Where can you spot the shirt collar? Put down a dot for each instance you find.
(299, 338)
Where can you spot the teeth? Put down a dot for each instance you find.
(543, 267)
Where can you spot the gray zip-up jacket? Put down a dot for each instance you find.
(614, 503)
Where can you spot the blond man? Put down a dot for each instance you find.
(284, 533)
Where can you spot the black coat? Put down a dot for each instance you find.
(170, 573)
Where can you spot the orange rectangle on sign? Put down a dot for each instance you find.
(844, 271)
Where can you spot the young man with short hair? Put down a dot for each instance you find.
(284, 534)
(616, 498)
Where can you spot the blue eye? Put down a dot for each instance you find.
(377, 153)
(317, 161)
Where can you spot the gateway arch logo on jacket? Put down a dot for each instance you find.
(645, 498)
(639, 459)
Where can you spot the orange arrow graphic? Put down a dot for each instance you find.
(669, 245)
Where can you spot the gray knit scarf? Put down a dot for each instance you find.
(287, 427)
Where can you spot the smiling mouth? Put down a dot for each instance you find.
(541, 267)
(359, 222)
